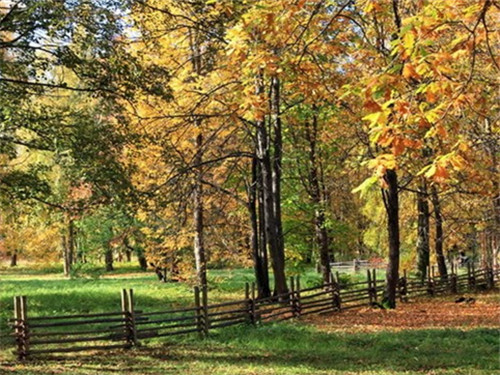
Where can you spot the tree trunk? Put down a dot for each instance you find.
(68, 244)
(199, 243)
(438, 242)
(257, 243)
(423, 246)
(391, 202)
(143, 263)
(276, 173)
(315, 191)
(108, 258)
(262, 152)
(13, 258)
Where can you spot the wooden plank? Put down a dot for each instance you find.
(327, 302)
(173, 326)
(227, 324)
(175, 319)
(225, 312)
(359, 298)
(322, 293)
(60, 317)
(226, 318)
(76, 323)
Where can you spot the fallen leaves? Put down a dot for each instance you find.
(433, 313)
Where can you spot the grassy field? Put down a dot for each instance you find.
(362, 342)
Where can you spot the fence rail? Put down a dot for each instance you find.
(127, 327)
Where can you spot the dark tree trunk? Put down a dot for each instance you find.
(391, 201)
(257, 243)
(13, 258)
(438, 242)
(108, 258)
(142, 261)
(262, 232)
(423, 246)
(128, 255)
(318, 199)
(263, 154)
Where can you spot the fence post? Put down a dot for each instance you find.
(20, 328)
(198, 313)
(374, 283)
(204, 302)
(403, 287)
(490, 279)
(131, 316)
(25, 326)
(248, 303)
(430, 282)
(355, 265)
(453, 279)
(126, 320)
(470, 277)
(253, 310)
(474, 280)
(370, 289)
(337, 300)
(292, 296)
(297, 295)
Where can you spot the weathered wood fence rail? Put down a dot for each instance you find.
(128, 327)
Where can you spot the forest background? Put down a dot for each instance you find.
(274, 134)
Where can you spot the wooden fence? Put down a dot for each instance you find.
(128, 327)
(357, 265)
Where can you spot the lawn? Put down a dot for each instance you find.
(422, 337)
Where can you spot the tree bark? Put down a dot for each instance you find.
(263, 154)
(277, 168)
(321, 233)
(108, 258)
(143, 263)
(199, 243)
(438, 242)
(423, 246)
(68, 244)
(390, 196)
(257, 242)
(13, 259)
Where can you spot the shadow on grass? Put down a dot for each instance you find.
(299, 349)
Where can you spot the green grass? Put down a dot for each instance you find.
(293, 348)
(284, 348)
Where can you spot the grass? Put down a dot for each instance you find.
(282, 348)
(293, 348)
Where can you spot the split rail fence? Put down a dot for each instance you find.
(126, 328)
